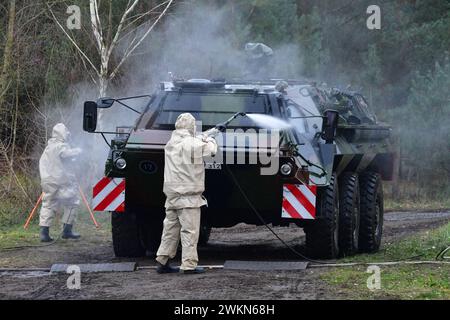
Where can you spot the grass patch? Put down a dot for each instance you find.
(401, 281)
(416, 204)
(397, 282)
(422, 246)
(16, 235)
(416, 196)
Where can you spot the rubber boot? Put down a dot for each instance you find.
(45, 234)
(166, 268)
(68, 234)
(197, 270)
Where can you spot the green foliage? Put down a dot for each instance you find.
(14, 204)
(272, 21)
(424, 128)
(315, 54)
(372, 76)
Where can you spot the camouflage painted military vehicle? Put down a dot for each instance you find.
(324, 172)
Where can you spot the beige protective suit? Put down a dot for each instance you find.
(58, 181)
(184, 183)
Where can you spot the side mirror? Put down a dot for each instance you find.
(105, 103)
(289, 112)
(90, 116)
(330, 123)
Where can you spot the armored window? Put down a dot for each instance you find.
(209, 108)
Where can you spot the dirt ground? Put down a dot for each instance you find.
(241, 242)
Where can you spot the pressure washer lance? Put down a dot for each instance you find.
(221, 127)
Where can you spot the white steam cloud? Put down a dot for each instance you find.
(195, 41)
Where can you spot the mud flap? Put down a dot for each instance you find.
(299, 201)
(109, 195)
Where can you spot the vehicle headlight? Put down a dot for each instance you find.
(121, 163)
(286, 169)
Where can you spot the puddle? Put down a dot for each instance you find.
(24, 274)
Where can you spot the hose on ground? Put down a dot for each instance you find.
(31, 245)
(37, 245)
(441, 255)
(265, 223)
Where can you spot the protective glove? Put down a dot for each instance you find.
(76, 152)
(211, 133)
(221, 127)
(70, 153)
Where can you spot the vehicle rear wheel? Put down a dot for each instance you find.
(371, 206)
(322, 234)
(205, 232)
(125, 235)
(348, 214)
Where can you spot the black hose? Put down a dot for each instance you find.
(31, 246)
(265, 223)
(441, 254)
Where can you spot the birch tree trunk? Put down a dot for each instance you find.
(106, 44)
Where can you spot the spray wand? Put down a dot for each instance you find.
(222, 126)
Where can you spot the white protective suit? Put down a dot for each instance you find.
(58, 181)
(184, 183)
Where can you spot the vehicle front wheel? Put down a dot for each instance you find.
(322, 234)
(150, 227)
(205, 232)
(125, 235)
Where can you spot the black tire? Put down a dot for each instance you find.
(371, 212)
(125, 235)
(150, 228)
(349, 217)
(205, 232)
(322, 234)
(150, 237)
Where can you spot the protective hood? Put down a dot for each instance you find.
(186, 121)
(60, 132)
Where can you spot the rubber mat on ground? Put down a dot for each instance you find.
(97, 267)
(265, 265)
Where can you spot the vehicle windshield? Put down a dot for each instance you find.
(209, 108)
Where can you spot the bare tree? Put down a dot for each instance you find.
(106, 45)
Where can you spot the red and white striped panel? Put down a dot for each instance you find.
(299, 201)
(109, 195)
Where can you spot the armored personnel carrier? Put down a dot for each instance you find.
(292, 153)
